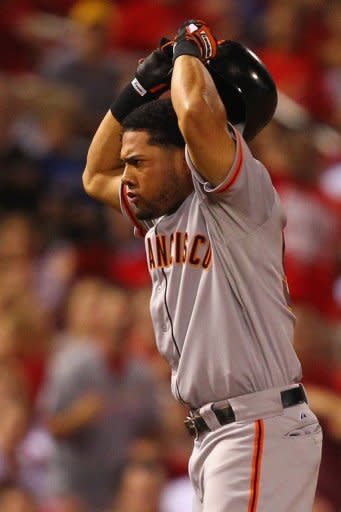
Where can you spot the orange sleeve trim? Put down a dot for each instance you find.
(238, 166)
(256, 465)
(126, 206)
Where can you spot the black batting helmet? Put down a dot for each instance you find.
(245, 87)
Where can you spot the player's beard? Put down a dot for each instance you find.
(170, 197)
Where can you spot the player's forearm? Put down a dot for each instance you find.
(103, 162)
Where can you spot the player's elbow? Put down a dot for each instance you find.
(86, 181)
(89, 183)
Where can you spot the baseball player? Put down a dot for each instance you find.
(212, 222)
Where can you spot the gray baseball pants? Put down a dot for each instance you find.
(267, 460)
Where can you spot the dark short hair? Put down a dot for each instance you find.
(159, 119)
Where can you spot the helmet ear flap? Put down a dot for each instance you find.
(245, 87)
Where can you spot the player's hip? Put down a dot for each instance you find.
(247, 407)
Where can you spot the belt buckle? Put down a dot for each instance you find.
(191, 425)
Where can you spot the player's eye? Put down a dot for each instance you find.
(135, 162)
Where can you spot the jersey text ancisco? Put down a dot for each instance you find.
(179, 248)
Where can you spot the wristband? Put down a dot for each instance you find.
(186, 47)
(132, 96)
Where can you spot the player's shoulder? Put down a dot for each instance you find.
(241, 171)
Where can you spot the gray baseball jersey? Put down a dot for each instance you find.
(219, 301)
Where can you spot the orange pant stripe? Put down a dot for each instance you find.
(256, 465)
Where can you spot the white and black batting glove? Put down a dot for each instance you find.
(195, 38)
(152, 78)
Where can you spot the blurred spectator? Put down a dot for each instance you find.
(314, 346)
(21, 177)
(16, 55)
(84, 63)
(329, 54)
(136, 34)
(313, 229)
(14, 499)
(140, 489)
(14, 411)
(144, 488)
(133, 392)
(313, 226)
(132, 31)
(330, 183)
(49, 128)
(95, 401)
(55, 273)
(17, 258)
(60, 7)
(63, 149)
(24, 444)
(293, 70)
(177, 495)
(32, 272)
(74, 400)
(25, 340)
(175, 442)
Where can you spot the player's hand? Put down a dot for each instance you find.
(152, 78)
(199, 35)
(154, 72)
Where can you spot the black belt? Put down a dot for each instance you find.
(196, 424)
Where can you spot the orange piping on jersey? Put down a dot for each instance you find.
(256, 465)
(130, 214)
(238, 166)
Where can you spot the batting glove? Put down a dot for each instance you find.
(152, 78)
(195, 38)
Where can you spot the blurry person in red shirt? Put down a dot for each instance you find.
(296, 73)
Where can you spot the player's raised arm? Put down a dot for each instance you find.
(200, 111)
(102, 174)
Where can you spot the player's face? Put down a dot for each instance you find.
(157, 178)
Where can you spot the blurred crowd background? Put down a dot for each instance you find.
(88, 423)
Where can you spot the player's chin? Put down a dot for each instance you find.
(143, 214)
(148, 211)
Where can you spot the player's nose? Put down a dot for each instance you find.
(128, 177)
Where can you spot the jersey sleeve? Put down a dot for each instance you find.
(246, 190)
(231, 175)
(140, 227)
